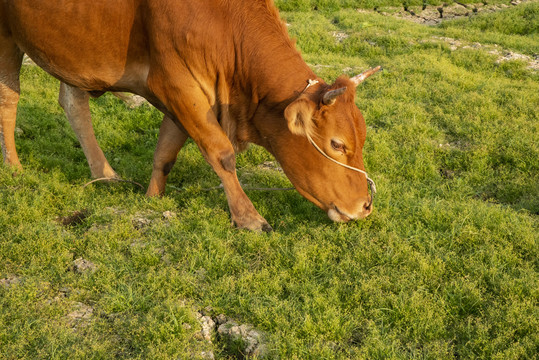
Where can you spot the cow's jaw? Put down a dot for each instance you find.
(338, 215)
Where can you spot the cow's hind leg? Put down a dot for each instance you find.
(10, 65)
(171, 140)
(75, 104)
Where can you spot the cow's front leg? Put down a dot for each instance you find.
(219, 152)
(171, 140)
(197, 118)
(75, 104)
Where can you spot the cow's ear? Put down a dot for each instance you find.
(299, 115)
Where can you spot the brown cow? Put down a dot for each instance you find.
(224, 72)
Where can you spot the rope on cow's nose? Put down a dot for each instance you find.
(369, 180)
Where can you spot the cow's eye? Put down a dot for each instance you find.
(338, 145)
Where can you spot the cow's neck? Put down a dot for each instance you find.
(276, 69)
(276, 75)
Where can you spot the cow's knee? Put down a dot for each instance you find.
(159, 177)
(228, 161)
(167, 168)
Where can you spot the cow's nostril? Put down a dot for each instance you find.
(368, 206)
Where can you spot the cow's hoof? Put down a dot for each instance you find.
(267, 228)
(258, 225)
(16, 169)
(106, 172)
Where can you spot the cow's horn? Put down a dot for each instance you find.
(330, 97)
(358, 79)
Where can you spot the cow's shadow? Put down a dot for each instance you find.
(45, 141)
(192, 177)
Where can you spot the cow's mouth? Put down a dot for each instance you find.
(334, 212)
(337, 215)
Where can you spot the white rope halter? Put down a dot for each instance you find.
(369, 180)
(371, 183)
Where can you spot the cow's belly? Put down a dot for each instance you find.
(94, 45)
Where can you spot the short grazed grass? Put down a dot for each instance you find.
(446, 267)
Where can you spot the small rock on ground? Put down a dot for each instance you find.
(229, 331)
(208, 325)
(249, 336)
(131, 100)
(207, 355)
(141, 222)
(167, 215)
(221, 319)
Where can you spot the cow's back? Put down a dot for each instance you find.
(114, 45)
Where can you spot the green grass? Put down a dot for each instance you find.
(446, 267)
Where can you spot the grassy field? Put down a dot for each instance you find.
(446, 267)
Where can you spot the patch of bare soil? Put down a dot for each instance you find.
(80, 314)
(82, 266)
(533, 62)
(75, 218)
(270, 166)
(432, 15)
(10, 280)
(502, 54)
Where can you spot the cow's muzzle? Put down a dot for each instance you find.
(338, 215)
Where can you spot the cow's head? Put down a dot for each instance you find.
(328, 116)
